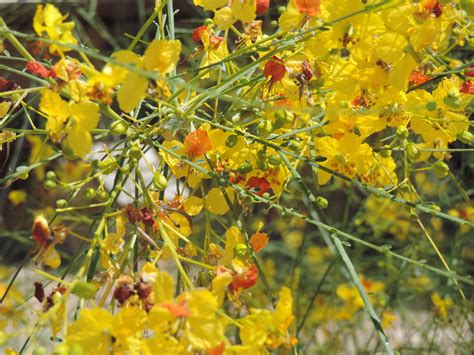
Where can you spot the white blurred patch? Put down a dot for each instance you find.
(153, 160)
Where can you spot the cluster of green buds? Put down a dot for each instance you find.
(51, 180)
(91, 194)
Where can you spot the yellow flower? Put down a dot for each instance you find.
(203, 328)
(348, 156)
(92, 331)
(161, 55)
(216, 201)
(17, 197)
(50, 21)
(442, 306)
(76, 120)
(98, 332)
(264, 328)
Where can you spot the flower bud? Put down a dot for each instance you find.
(241, 252)
(402, 132)
(61, 203)
(264, 128)
(231, 141)
(50, 184)
(118, 128)
(159, 181)
(135, 151)
(102, 195)
(465, 137)
(274, 160)
(51, 175)
(321, 202)
(294, 145)
(431, 106)
(84, 289)
(107, 166)
(245, 168)
(440, 169)
(89, 194)
(413, 152)
(386, 151)
(262, 164)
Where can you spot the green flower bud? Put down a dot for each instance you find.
(51, 175)
(209, 22)
(236, 118)
(135, 151)
(413, 152)
(431, 106)
(264, 128)
(386, 152)
(294, 145)
(40, 351)
(50, 184)
(321, 202)
(402, 132)
(61, 203)
(159, 181)
(440, 169)
(84, 289)
(261, 155)
(102, 195)
(465, 137)
(241, 252)
(281, 9)
(245, 168)
(274, 23)
(231, 141)
(274, 160)
(118, 128)
(89, 194)
(108, 165)
(262, 164)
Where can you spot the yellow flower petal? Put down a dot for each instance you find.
(216, 202)
(132, 91)
(162, 55)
